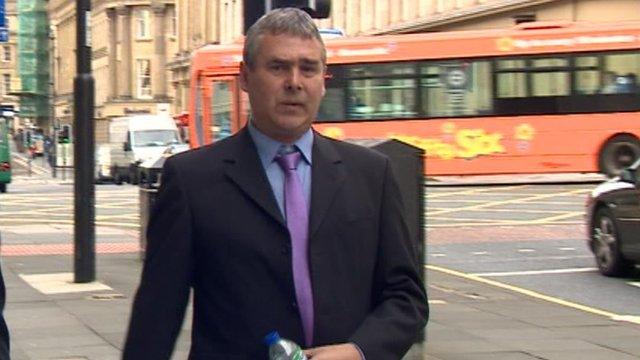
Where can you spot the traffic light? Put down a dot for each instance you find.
(253, 10)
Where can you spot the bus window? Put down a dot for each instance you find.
(381, 91)
(550, 77)
(456, 88)
(198, 126)
(512, 81)
(624, 69)
(333, 104)
(221, 107)
(587, 75)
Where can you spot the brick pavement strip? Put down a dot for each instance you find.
(65, 249)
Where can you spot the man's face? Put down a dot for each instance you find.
(285, 85)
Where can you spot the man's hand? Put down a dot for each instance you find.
(334, 352)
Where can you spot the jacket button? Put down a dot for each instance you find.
(284, 250)
(294, 305)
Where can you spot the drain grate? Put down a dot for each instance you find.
(106, 297)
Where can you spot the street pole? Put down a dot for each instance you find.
(84, 195)
(53, 149)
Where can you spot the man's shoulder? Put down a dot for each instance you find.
(209, 154)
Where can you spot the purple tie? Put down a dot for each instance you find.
(298, 224)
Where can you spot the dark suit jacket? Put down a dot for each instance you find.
(4, 332)
(216, 227)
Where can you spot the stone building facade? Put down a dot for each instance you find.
(131, 44)
(9, 79)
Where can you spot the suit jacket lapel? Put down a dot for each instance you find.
(244, 169)
(327, 175)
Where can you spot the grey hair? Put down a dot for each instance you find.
(287, 21)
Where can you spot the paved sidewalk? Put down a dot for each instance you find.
(470, 318)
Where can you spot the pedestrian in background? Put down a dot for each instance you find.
(19, 140)
(48, 150)
(279, 228)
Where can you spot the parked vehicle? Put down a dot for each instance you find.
(613, 220)
(5, 156)
(133, 140)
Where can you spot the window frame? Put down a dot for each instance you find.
(142, 19)
(6, 83)
(350, 93)
(140, 77)
(6, 53)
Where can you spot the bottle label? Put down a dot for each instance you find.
(299, 355)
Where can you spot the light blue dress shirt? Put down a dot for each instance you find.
(267, 151)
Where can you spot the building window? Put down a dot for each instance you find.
(6, 83)
(6, 53)
(174, 24)
(143, 78)
(142, 19)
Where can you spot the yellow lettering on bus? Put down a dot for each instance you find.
(475, 142)
(469, 143)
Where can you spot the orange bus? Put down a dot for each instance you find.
(537, 98)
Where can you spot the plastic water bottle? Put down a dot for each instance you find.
(283, 349)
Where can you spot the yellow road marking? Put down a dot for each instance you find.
(432, 203)
(559, 217)
(471, 191)
(459, 222)
(524, 211)
(488, 192)
(503, 202)
(537, 295)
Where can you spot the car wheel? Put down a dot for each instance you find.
(618, 153)
(606, 245)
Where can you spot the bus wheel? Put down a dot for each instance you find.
(3, 188)
(618, 153)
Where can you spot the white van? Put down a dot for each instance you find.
(133, 140)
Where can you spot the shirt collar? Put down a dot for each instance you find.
(268, 147)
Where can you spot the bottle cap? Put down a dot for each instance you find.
(271, 338)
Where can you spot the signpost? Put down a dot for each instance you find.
(4, 32)
(84, 149)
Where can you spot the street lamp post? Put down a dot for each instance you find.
(84, 190)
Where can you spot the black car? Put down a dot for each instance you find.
(613, 220)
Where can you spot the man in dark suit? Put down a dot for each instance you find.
(4, 332)
(279, 228)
